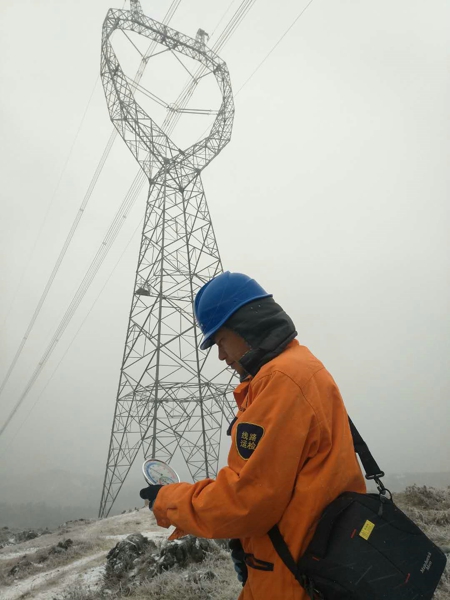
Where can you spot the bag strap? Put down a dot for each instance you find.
(284, 553)
(370, 465)
(283, 550)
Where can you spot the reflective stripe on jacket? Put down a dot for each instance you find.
(291, 454)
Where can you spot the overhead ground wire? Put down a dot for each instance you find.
(269, 53)
(275, 46)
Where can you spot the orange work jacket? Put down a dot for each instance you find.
(291, 455)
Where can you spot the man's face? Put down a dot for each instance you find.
(231, 348)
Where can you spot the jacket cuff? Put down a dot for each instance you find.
(164, 501)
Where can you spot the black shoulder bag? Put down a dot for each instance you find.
(365, 547)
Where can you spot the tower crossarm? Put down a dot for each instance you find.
(146, 140)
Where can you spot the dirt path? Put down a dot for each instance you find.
(19, 553)
(61, 576)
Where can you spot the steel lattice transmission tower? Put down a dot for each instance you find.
(171, 397)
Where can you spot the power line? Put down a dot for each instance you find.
(58, 262)
(223, 17)
(32, 252)
(52, 200)
(109, 239)
(80, 293)
(81, 210)
(189, 88)
(113, 231)
(76, 335)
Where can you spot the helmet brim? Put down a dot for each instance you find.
(206, 343)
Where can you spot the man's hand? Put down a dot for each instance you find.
(149, 493)
(238, 558)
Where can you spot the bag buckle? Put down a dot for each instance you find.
(376, 476)
(382, 490)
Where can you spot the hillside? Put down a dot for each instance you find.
(60, 495)
(128, 556)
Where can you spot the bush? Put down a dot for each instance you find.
(427, 497)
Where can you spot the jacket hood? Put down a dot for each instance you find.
(266, 328)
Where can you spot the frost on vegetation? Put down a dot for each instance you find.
(137, 559)
(443, 589)
(427, 497)
(429, 508)
(191, 569)
(11, 537)
(23, 566)
(78, 593)
(197, 569)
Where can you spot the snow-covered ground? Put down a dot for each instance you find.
(45, 571)
(45, 584)
(88, 570)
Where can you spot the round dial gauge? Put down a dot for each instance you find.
(157, 472)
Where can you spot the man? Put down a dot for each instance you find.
(291, 452)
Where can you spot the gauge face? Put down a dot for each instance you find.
(157, 472)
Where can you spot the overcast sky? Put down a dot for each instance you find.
(333, 193)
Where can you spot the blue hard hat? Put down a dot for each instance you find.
(221, 297)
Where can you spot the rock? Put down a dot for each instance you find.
(65, 544)
(61, 547)
(43, 556)
(22, 565)
(184, 552)
(121, 559)
(139, 541)
(136, 559)
(26, 535)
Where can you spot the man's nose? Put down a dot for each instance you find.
(222, 354)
